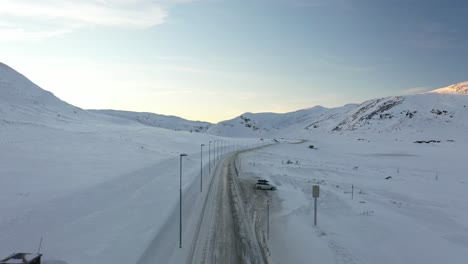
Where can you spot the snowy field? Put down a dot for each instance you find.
(419, 215)
(96, 194)
(105, 194)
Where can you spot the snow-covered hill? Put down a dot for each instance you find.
(441, 112)
(459, 88)
(97, 187)
(431, 114)
(22, 101)
(155, 120)
(262, 124)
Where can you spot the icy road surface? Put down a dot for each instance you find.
(227, 234)
(220, 226)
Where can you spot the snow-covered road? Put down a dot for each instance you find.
(227, 234)
(219, 226)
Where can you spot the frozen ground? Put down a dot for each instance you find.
(108, 194)
(419, 215)
(97, 194)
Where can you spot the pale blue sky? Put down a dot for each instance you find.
(213, 60)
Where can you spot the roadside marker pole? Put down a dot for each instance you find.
(268, 219)
(209, 158)
(352, 192)
(201, 167)
(315, 194)
(315, 211)
(180, 199)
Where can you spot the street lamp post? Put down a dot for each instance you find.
(214, 150)
(201, 167)
(180, 204)
(209, 157)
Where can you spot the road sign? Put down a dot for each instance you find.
(315, 194)
(315, 191)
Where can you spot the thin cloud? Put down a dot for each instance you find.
(416, 90)
(34, 19)
(358, 69)
(318, 3)
(173, 92)
(349, 68)
(306, 3)
(336, 63)
(174, 58)
(19, 34)
(190, 69)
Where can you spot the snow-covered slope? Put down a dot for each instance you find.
(380, 202)
(155, 120)
(97, 188)
(22, 101)
(460, 88)
(429, 114)
(443, 111)
(261, 124)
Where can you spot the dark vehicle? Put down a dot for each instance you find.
(28, 258)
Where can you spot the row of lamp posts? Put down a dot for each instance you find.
(216, 155)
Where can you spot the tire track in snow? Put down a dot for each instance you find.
(227, 234)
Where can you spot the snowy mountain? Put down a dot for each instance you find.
(155, 120)
(443, 111)
(22, 101)
(460, 88)
(261, 124)
(70, 173)
(430, 114)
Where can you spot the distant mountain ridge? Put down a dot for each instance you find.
(23, 102)
(443, 110)
(156, 120)
(259, 124)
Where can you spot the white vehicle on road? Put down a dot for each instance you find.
(264, 185)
